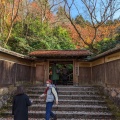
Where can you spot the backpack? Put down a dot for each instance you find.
(55, 89)
(53, 85)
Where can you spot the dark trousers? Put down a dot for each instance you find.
(49, 112)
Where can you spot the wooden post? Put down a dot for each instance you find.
(75, 72)
(105, 84)
(91, 74)
(46, 69)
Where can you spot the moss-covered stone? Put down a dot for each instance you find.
(110, 103)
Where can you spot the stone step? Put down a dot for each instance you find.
(61, 86)
(67, 92)
(67, 97)
(87, 108)
(66, 88)
(9, 118)
(70, 114)
(73, 102)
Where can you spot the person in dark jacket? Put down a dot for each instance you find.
(20, 104)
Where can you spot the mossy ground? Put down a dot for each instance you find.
(5, 108)
(113, 107)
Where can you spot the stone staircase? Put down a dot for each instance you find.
(75, 103)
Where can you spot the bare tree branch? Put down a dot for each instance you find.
(99, 11)
(66, 3)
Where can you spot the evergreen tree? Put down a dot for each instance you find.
(80, 20)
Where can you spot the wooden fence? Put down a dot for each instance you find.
(11, 73)
(107, 74)
(84, 75)
(104, 71)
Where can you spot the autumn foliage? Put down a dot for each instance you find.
(27, 12)
(105, 31)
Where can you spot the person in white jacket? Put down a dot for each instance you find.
(51, 96)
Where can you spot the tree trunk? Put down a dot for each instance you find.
(8, 36)
(13, 17)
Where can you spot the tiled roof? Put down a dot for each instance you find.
(108, 52)
(60, 53)
(3, 50)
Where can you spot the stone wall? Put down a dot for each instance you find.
(5, 93)
(113, 94)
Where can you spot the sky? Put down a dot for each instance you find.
(78, 3)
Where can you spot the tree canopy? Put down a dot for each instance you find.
(38, 36)
(48, 24)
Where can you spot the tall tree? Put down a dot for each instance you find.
(47, 8)
(80, 20)
(13, 15)
(97, 12)
(4, 15)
